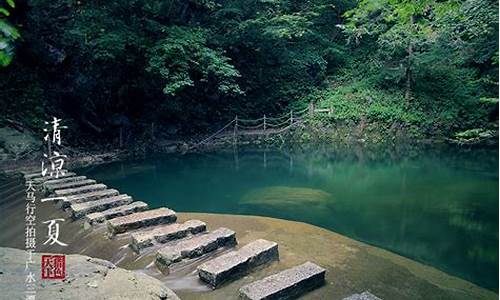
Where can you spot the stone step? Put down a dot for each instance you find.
(38, 174)
(157, 216)
(362, 296)
(287, 284)
(115, 212)
(67, 185)
(237, 263)
(40, 180)
(79, 210)
(80, 190)
(165, 233)
(64, 180)
(86, 197)
(30, 172)
(194, 247)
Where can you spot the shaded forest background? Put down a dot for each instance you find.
(430, 67)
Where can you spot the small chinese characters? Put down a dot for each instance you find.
(30, 239)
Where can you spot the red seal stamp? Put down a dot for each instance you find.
(53, 266)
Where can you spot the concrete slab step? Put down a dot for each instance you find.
(165, 233)
(362, 296)
(67, 185)
(80, 190)
(79, 210)
(40, 180)
(64, 180)
(287, 284)
(37, 174)
(237, 263)
(30, 172)
(157, 216)
(119, 211)
(194, 247)
(86, 197)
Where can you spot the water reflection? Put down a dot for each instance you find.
(437, 205)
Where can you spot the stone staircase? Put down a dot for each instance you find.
(174, 242)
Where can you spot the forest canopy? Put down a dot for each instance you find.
(430, 66)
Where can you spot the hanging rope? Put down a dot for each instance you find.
(283, 117)
(286, 122)
(216, 133)
(264, 125)
(251, 120)
(251, 127)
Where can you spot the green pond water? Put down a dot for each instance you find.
(436, 206)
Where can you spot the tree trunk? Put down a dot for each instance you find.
(408, 64)
(408, 84)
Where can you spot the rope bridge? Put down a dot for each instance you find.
(260, 126)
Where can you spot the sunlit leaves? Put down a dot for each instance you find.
(8, 34)
(287, 26)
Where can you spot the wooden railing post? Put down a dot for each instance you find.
(291, 117)
(264, 122)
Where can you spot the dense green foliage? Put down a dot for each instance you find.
(8, 35)
(187, 65)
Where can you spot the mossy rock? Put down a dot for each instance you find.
(15, 142)
(280, 196)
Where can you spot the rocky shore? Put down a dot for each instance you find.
(86, 278)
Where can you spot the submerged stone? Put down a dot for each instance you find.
(287, 284)
(284, 196)
(363, 296)
(233, 265)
